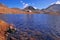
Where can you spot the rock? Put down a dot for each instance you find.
(4, 26)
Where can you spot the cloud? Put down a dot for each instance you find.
(21, 1)
(26, 5)
(58, 2)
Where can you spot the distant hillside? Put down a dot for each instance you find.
(32, 9)
(5, 10)
(16, 8)
(54, 7)
(2, 5)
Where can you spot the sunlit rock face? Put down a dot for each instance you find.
(3, 25)
(54, 7)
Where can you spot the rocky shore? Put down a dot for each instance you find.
(9, 32)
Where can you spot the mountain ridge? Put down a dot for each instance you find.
(55, 8)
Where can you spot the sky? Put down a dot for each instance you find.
(40, 4)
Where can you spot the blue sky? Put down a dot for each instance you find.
(23, 3)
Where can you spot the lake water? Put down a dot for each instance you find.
(44, 23)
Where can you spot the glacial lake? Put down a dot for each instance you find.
(44, 23)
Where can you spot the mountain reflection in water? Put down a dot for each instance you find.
(38, 26)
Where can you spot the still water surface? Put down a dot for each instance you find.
(47, 24)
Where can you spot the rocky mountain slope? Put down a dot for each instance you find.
(5, 10)
(53, 9)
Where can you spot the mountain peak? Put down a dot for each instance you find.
(58, 2)
(30, 8)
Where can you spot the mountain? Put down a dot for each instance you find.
(16, 8)
(32, 9)
(2, 5)
(6, 10)
(29, 8)
(53, 9)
